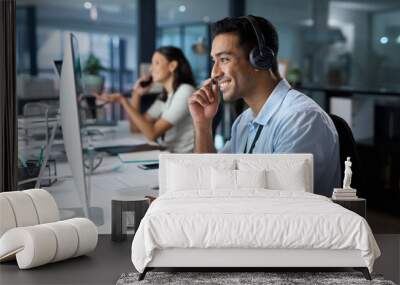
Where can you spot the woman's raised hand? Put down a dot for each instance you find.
(142, 85)
(106, 97)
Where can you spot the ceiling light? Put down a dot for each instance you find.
(384, 40)
(87, 5)
(398, 39)
(182, 8)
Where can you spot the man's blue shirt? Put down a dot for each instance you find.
(292, 123)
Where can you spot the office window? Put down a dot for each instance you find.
(169, 36)
(346, 56)
(50, 43)
(337, 43)
(100, 46)
(130, 73)
(293, 21)
(386, 48)
(51, 20)
(110, 34)
(194, 40)
(187, 25)
(197, 49)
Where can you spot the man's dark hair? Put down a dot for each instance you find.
(247, 37)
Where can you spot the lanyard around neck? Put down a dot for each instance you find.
(259, 129)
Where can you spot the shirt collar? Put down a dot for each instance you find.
(273, 102)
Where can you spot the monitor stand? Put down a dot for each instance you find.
(45, 159)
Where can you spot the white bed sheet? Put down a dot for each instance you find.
(252, 218)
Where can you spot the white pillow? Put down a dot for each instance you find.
(251, 178)
(182, 177)
(189, 175)
(282, 174)
(223, 179)
(294, 179)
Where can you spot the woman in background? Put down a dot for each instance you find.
(170, 118)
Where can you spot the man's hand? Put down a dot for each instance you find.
(203, 104)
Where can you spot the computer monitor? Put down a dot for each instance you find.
(70, 91)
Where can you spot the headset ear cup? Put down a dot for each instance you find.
(264, 61)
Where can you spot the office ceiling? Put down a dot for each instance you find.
(109, 11)
(123, 12)
(367, 5)
(110, 5)
(184, 11)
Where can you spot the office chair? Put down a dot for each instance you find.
(348, 147)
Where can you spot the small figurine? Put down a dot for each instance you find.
(345, 193)
(347, 174)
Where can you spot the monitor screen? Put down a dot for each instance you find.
(77, 66)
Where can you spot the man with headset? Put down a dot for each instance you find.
(280, 119)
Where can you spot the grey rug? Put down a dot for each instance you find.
(228, 278)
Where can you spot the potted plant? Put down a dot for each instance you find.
(93, 81)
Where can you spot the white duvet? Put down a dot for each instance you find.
(250, 219)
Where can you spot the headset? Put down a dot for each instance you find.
(262, 56)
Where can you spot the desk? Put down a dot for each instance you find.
(128, 180)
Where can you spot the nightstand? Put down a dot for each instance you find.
(119, 207)
(358, 205)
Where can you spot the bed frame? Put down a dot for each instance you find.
(250, 258)
(242, 259)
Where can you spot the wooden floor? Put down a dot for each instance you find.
(383, 223)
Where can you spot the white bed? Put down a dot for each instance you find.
(220, 211)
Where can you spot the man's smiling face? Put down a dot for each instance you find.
(231, 67)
